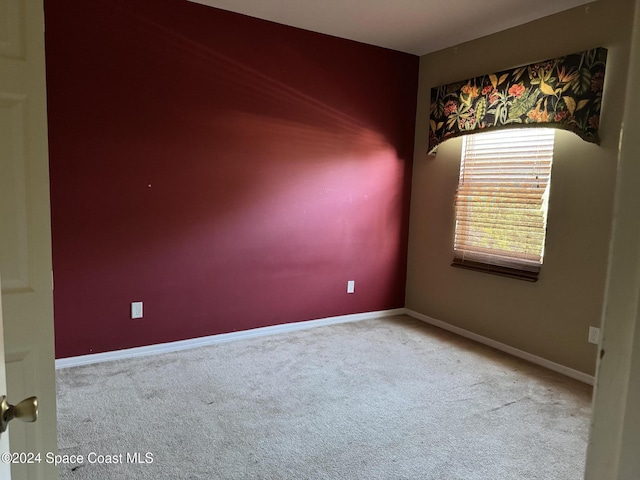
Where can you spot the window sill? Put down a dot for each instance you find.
(497, 270)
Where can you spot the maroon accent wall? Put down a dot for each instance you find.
(229, 172)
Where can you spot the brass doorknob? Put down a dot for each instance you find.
(26, 410)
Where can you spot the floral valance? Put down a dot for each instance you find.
(565, 93)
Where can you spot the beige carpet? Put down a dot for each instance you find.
(376, 399)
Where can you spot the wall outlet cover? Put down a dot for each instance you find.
(136, 310)
(351, 286)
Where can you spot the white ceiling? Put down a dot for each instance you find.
(412, 26)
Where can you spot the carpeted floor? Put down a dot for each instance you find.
(377, 399)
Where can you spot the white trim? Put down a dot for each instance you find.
(556, 367)
(295, 326)
(221, 338)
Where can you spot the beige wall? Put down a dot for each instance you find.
(549, 318)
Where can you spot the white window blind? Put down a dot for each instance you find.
(502, 199)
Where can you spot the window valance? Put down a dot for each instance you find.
(564, 92)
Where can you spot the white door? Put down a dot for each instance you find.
(25, 244)
(5, 468)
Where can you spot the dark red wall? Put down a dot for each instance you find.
(230, 173)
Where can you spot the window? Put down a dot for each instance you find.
(502, 200)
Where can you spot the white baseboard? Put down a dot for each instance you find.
(556, 367)
(221, 338)
(291, 327)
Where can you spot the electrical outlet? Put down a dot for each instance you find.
(594, 335)
(351, 286)
(136, 310)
